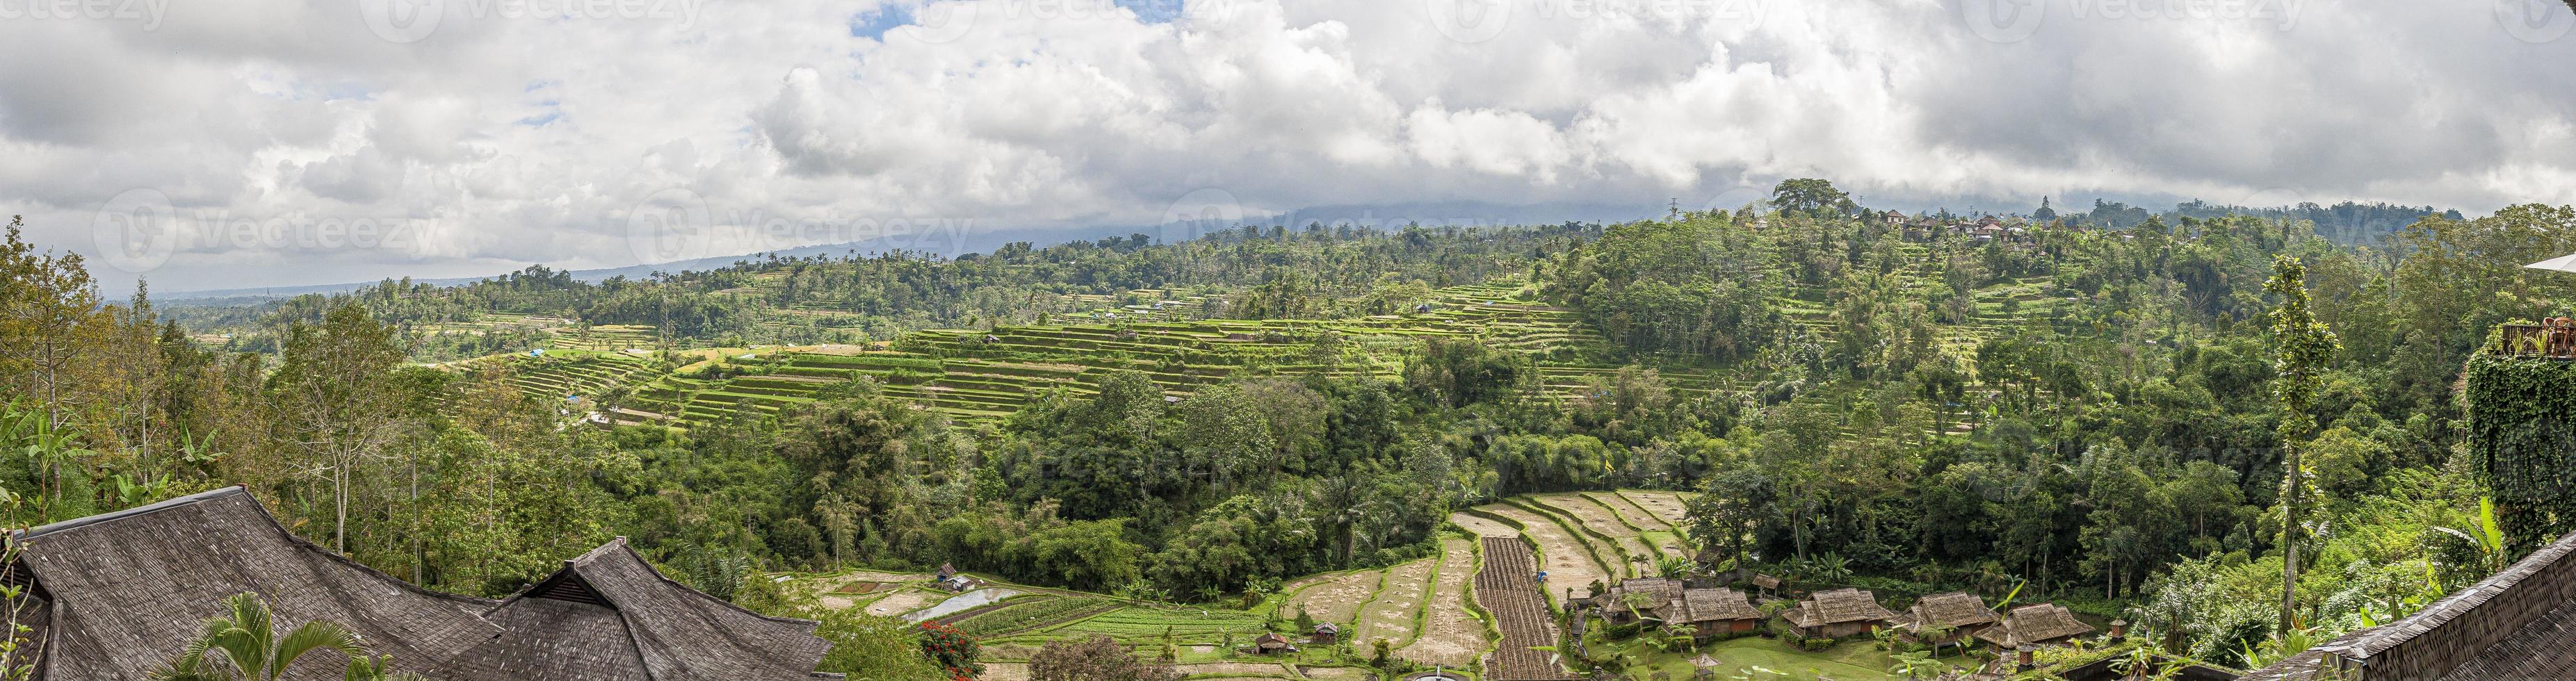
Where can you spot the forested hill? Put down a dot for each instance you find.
(1901, 402)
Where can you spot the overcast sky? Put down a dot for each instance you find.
(226, 143)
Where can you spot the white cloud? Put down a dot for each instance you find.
(510, 134)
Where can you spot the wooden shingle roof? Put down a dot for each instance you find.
(2033, 624)
(1838, 606)
(122, 592)
(1954, 609)
(1711, 605)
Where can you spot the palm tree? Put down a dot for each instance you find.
(1916, 665)
(245, 646)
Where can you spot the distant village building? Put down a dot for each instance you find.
(1838, 613)
(118, 595)
(1326, 633)
(2044, 624)
(1271, 644)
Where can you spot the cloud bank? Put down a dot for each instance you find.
(275, 142)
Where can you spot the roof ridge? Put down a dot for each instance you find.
(165, 504)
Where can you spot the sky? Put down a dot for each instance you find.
(235, 143)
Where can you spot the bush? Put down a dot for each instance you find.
(1816, 645)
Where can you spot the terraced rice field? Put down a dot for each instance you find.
(1399, 602)
(1629, 511)
(1504, 588)
(1142, 624)
(1482, 527)
(1567, 564)
(1666, 505)
(1590, 515)
(1335, 598)
(1451, 635)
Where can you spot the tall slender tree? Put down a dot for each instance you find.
(2301, 346)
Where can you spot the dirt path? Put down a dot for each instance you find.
(1563, 557)
(1482, 527)
(1629, 510)
(1336, 599)
(1390, 615)
(1451, 636)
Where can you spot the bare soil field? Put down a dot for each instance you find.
(1629, 510)
(1503, 587)
(1390, 615)
(1665, 505)
(904, 601)
(1564, 559)
(1599, 518)
(1451, 636)
(1336, 599)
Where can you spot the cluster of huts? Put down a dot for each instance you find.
(1954, 618)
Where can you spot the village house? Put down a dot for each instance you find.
(1838, 613)
(1944, 619)
(1625, 602)
(1325, 633)
(1271, 644)
(1711, 612)
(2044, 624)
(116, 596)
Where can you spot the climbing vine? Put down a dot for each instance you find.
(2522, 439)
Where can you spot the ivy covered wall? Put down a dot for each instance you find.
(2522, 439)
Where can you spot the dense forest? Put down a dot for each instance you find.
(2108, 429)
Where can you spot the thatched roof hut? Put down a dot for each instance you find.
(120, 593)
(1707, 606)
(1839, 606)
(2041, 624)
(1956, 610)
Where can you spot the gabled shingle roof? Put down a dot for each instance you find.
(122, 592)
(1954, 609)
(1711, 605)
(125, 591)
(1838, 606)
(2031, 624)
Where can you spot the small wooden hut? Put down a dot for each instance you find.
(1838, 613)
(2034, 625)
